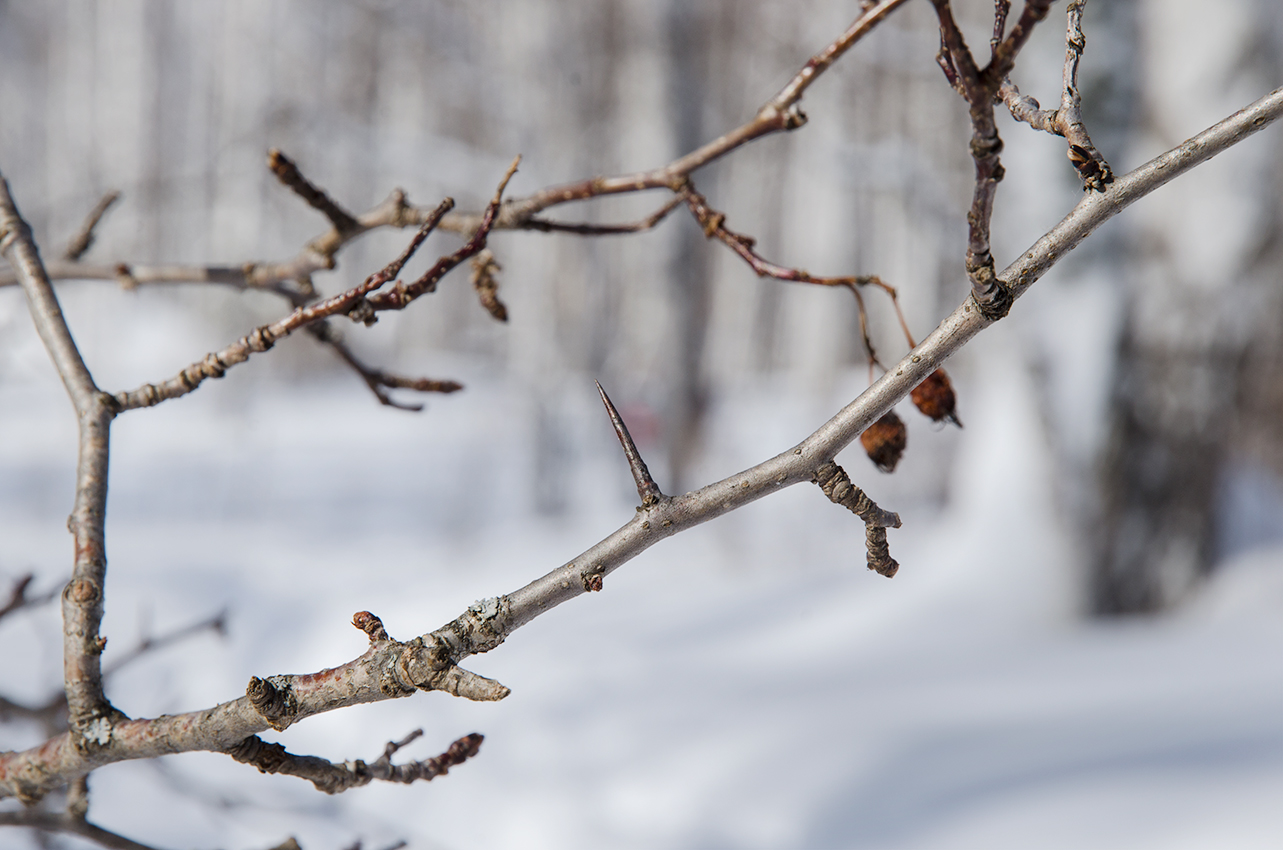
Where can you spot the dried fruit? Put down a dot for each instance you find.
(935, 398)
(884, 441)
(484, 267)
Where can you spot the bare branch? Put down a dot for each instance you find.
(714, 225)
(647, 489)
(84, 238)
(82, 600)
(336, 778)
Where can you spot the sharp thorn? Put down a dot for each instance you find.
(646, 486)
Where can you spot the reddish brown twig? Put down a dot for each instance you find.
(376, 379)
(714, 226)
(402, 294)
(585, 229)
(287, 172)
(353, 303)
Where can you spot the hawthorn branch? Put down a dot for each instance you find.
(390, 669)
(836, 484)
(287, 172)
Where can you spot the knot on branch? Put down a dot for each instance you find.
(268, 758)
(1091, 167)
(371, 625)
(274, 700)
(993, 297)
(431, 667)
(363, 313)
(836, 484)
(592, 578)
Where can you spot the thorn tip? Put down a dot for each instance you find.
(646, 486)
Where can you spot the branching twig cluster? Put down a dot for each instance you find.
(96, 733)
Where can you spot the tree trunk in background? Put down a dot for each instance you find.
(687, 36)
(1192, 312)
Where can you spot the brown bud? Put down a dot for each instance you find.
(884, 441)
(935, 398)
(370, 624)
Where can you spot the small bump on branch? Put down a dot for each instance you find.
(274, 700)
(647, 489)
(371, 625)
(837, 485)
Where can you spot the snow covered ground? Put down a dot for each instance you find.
(745, 685)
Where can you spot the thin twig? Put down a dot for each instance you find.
(84, 238)
(377, 380)
(586, 229)
(778, 114)
(714, 226)
(287, 172)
